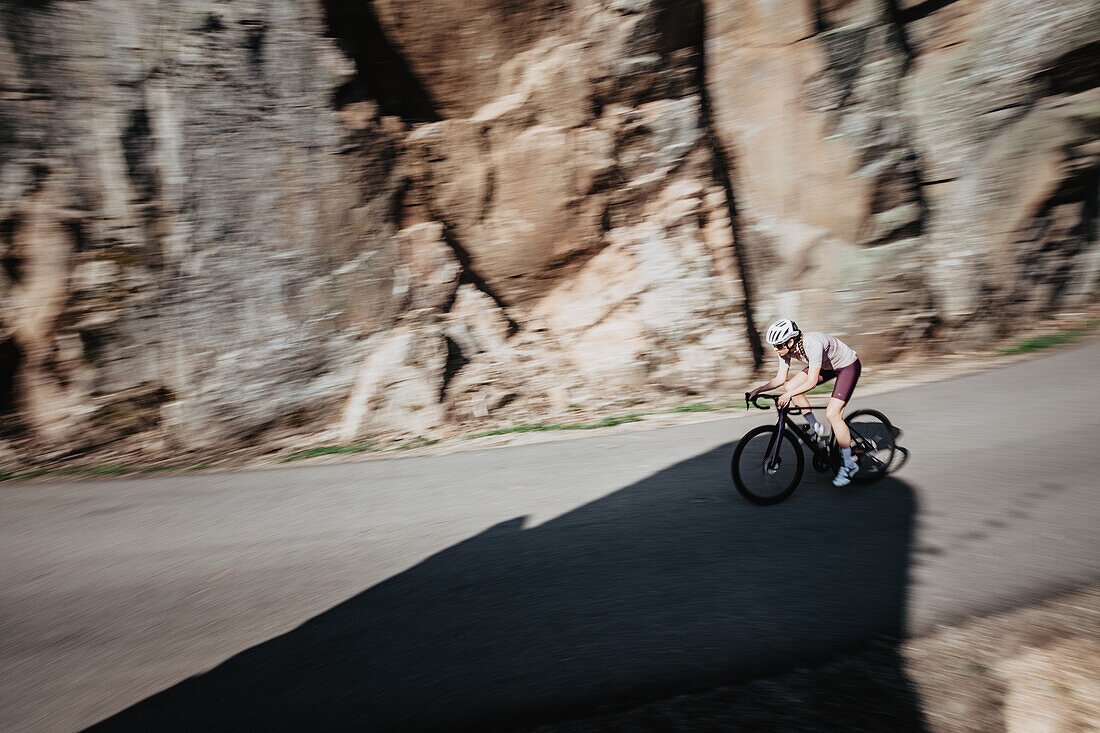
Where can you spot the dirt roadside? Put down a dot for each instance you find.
(911, 371)
(1030, 669)
(145, 455)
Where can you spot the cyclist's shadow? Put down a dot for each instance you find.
(671, 584)
(901, 453)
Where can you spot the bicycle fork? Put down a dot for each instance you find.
(772, 464)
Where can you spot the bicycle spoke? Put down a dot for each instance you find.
(762, 480)
(858, 436)
(872, 440)
(874, 460)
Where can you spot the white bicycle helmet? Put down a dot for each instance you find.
(782, 331)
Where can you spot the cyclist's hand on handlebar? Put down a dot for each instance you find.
(783, 400)
(752, 397)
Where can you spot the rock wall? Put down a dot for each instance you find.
(900, 163)
(220, 219)
(194, 242)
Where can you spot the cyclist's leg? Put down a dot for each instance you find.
(834, 413)
(846, 379)
(801, 400)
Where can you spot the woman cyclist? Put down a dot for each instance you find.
(827, 357)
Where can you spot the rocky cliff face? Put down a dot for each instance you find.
(899, 162)
(222, 218)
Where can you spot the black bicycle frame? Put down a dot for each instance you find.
(777, 440)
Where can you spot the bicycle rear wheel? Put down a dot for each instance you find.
(762, 484)
(872, 444)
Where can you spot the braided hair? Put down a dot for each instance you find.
(800, 349)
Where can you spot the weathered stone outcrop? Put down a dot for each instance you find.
(351, 216)
(807, 100)
(187, 246)
(581, 200)
(1004, 102)
(899, 164)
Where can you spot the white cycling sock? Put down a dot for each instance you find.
(846, 454)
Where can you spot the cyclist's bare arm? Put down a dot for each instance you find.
(779, 379)
(803, 382)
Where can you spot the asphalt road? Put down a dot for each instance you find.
(495, 587)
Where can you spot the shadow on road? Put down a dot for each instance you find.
(671, 584)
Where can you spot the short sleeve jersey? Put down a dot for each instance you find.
(824, 351)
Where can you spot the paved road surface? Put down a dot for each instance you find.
(493, 587)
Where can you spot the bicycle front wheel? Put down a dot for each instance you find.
(758, 481)
(872, 444)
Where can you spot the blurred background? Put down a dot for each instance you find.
(225, 222)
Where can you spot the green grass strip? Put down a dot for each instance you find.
(540, 427)
(1049, 341)
(329, 450)
(526, 428)
(608, 422)
(705, 406)
(160, 469)
(22, 475)
(416, 443)
(110, 469)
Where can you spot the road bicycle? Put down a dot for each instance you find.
(768, 462)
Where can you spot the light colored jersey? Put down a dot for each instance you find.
(824, 351)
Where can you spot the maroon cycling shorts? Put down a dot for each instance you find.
(846, 378)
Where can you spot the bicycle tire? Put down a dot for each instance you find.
(741, 473)
(873, 446)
